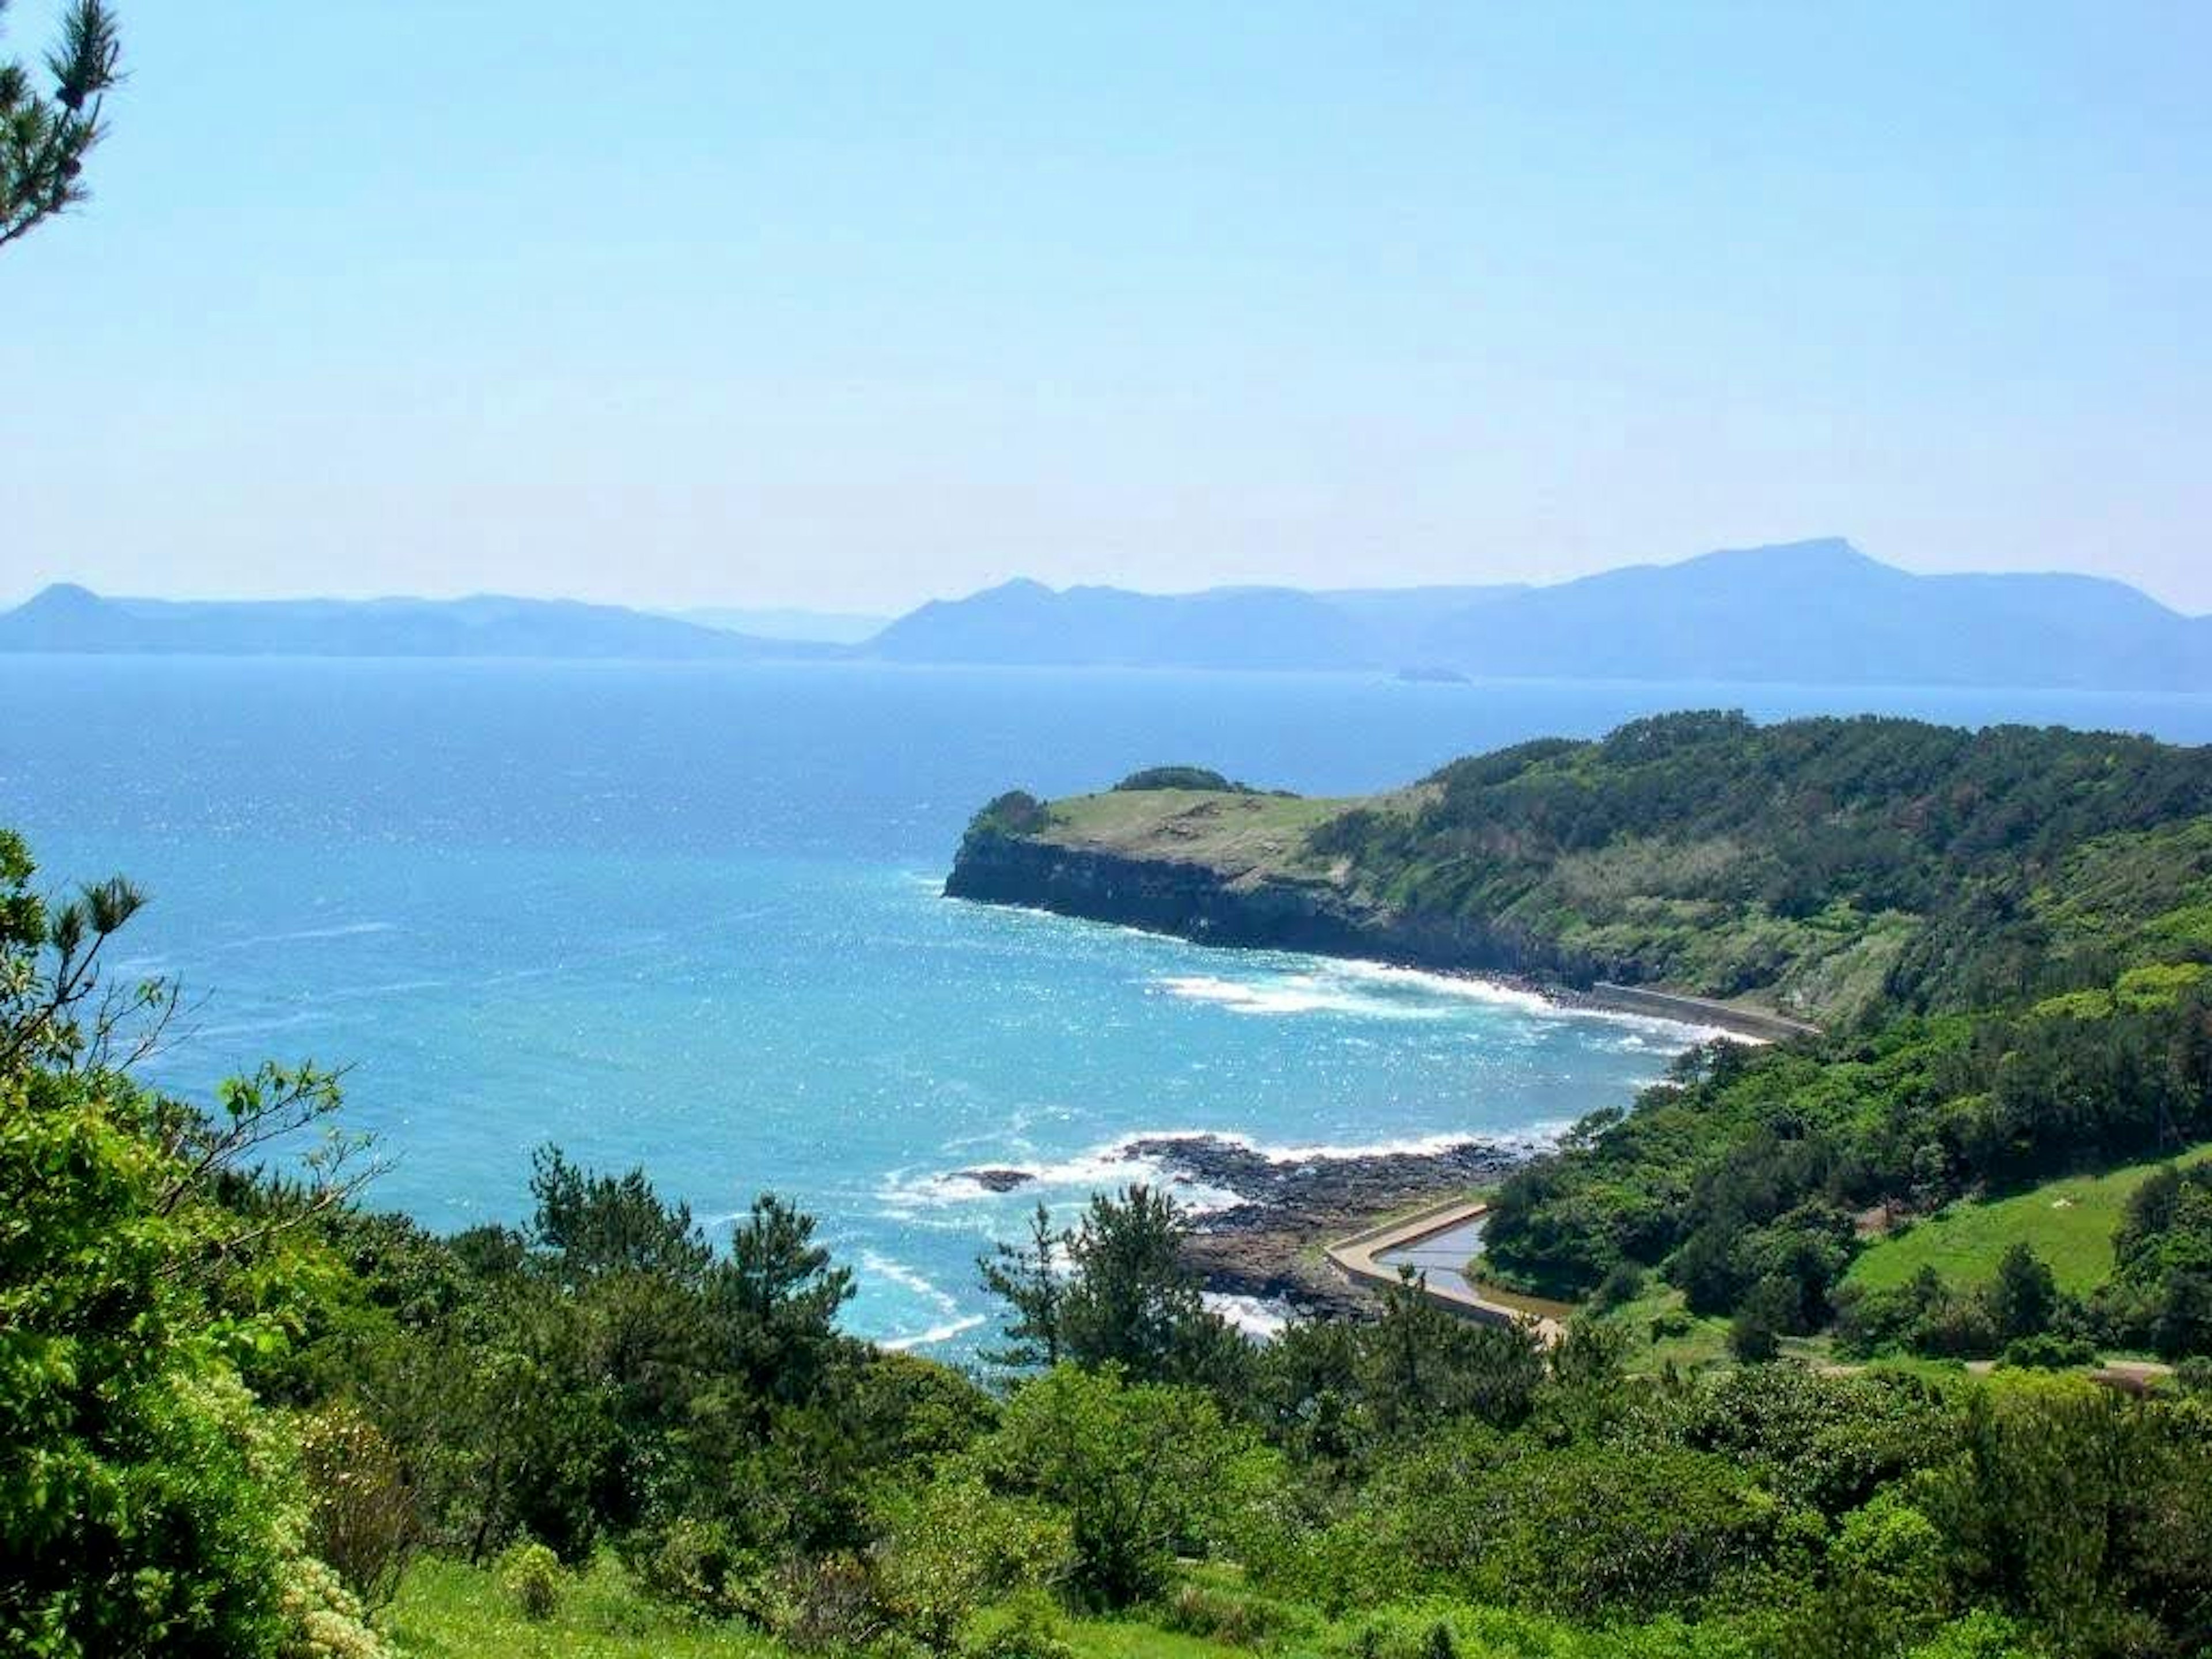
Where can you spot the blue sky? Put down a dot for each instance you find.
(851, 305)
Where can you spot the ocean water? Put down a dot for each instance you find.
(689, 917)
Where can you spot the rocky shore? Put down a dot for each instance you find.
(1269, 1244)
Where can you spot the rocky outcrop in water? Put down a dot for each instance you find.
(1269, 1244)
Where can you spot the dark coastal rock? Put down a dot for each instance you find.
(1273, 911)
(1283, 912)
(995, 1181)
(1321, 1190)
(1267, 1245)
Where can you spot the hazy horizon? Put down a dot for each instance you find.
(844, 312)
(728, 613)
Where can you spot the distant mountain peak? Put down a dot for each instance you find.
(1816, 553)
(64, 596)
(1817, 609)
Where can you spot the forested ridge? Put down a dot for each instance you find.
(1834, 865)
(2046, 898)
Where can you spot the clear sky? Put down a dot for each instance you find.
(847, 304)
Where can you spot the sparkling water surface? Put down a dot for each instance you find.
(688, 916)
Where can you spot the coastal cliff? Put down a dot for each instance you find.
(1213, 905)
(1696, 866)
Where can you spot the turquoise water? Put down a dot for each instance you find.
(689, 917)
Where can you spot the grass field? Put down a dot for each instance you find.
(2069, 1222)
(1229, 831)
(1662, 1331)
(449, 1610)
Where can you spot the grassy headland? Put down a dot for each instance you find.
(2007, 934)
(1824, 867)
(2069, 1222)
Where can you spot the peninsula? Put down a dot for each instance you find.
(1781, 876)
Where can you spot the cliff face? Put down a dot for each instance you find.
(1196, 901)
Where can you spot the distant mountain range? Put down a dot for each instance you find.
(1281, 628)
(65, 617)
(826, 627)
(1818, 612)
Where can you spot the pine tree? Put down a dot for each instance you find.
(45, 139)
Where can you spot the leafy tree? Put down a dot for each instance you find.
(597, 1225)
(1142, 1470)
(1755, 1334)
(774, 1301)
(2082, 1510)
(44, 140)
(2025, 1295)
(1420, 1365)
(146, 1504)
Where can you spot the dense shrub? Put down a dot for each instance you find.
(530, 1574)
(1181, 777)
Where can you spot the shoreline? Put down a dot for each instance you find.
(1601, 996)
(1273, 1244)
(1270, 1243)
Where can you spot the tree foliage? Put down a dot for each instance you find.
(45, 137)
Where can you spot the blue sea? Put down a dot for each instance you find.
(687, 917)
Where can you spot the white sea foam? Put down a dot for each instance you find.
(1290, 994)
(876, 1264)
(1257, 1316)
(906, 1278)
(1466, 987)
(944, 1332)
(1379, 991)
(1098, 1169)
(344, 930)
(907, 1194)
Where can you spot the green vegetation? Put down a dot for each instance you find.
(246, 1417)
(250, 1416)
(2008, 933)
(2068, 1223)
(253, 1419)
(1834, 868)
(43, 141)
(1235, 833)
(1182, 777)
(448, 1609)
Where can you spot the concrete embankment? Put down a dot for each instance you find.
(1361, 1259)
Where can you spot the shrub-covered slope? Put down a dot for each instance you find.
(1825, 865)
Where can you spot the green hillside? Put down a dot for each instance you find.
(2068, 1223)
(1828, 867)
